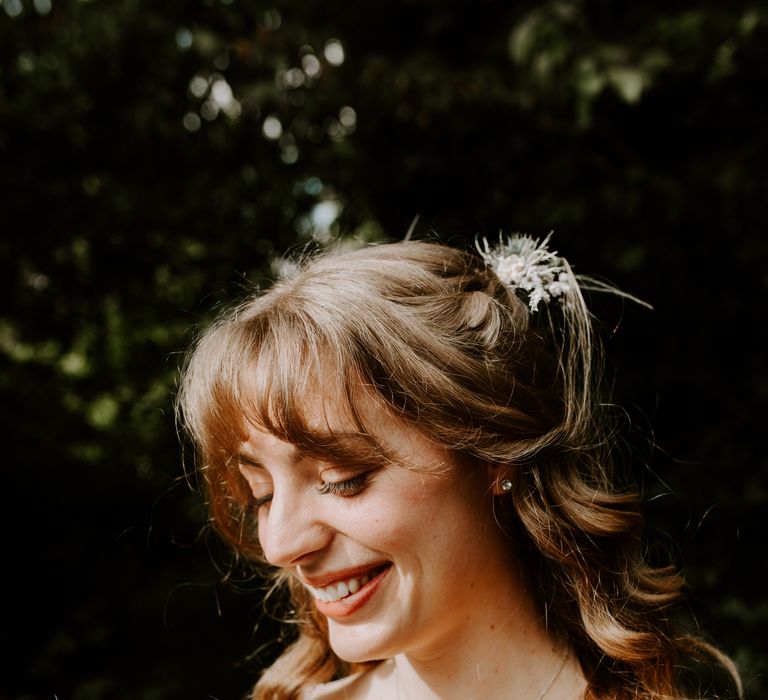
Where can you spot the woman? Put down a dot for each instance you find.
(413, 436)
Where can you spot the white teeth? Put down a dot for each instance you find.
(337, 591)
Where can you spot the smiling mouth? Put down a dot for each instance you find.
(338, 590)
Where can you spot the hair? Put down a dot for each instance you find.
(446, 346)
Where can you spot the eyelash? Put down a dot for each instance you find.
(259, 502)
(345, 488)
(348, 487)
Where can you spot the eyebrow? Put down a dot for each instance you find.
(354, 446)
(336, 445)
(243, 458)
(296, 456)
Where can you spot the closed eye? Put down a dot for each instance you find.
(347, 487)
(259, 502)
(258, 481)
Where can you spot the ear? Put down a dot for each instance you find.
(499, 481)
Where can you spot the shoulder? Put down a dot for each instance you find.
(360, 686)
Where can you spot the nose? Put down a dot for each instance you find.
(291, 528)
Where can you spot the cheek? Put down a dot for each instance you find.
(399, 525)
(380, 514)
(455, 524)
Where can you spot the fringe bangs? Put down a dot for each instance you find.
(275, 373)
(432, 337)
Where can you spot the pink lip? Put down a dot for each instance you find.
(352, 603)
(340, 575)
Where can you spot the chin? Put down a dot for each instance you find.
(357, 645)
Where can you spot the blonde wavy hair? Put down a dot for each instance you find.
(448, 347)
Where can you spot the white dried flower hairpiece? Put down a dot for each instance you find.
(525, 263)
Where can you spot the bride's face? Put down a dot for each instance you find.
(396, 552)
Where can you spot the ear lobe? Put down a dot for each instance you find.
(499, 477)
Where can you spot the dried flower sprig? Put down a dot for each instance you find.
(525, 263)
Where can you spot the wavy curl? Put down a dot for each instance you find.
(447, 346)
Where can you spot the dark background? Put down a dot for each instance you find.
(157, 155)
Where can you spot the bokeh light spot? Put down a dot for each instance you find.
(323, 215)
(221, 93)
(348, 117)
(289, 154)
(334, 52)
(333, 129)
(293, 78)
(42, 7)
(313, 186)
(271, 20)
(272, 128)
(191, 122)
(26, 61)
(74, 364)
(311, 65)
(13, 8)
(209, 110)
(103, 411)
(184, 38)
(198, 86)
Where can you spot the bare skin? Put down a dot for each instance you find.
(402, 679)
(452, 615)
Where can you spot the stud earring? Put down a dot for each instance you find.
(506, 485)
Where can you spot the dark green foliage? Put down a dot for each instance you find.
(139, 190)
